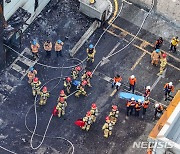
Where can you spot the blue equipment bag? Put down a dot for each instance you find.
(76, 82)
(128, 96)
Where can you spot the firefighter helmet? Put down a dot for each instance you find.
(31, 69)
(93, 106)
(62, 92)
(35, 79)
(44, 89)
(88, 73)
(132, 76)
(68, 79)
(107, 118)
(148, 87)
(164, 55)
(170, 83)
(34, 42)
(88, 114)
(61, 99)
(59, 41)
(139, 101)
(133, 99)
(114, 107)
(91, 46)
(77, 68)
(84, 83)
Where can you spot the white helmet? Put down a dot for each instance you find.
(148, 87)
(156, 105)
(139, 100)
(132, 99)
(132, 76)
(170, 84)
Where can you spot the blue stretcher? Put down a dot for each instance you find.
(128, 96)
(76, 82)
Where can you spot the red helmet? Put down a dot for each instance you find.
(164, 55)
(77, 68)
(114, 107)
(61, 99)
(68, 79)
(88, 73)
(88, 113)
(93, 106)
(44, 89)
(84, 82)
(107, 118)
(62, 92)
(35, 79)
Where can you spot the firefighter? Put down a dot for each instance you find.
(81, 90)
(147, 92)
(117, 81)
(138, 107)
(67, 84)
(36, 86)
(145, 105)
(61, 106)
(107, 127)
(174, 43)
(94, 112)
(62, 94)
(155, 57)
(163, 63)
(35, 49)
(168, 88)
(91, 53)
(43, 96)
(158, 43)
(48, 48)
(58, 48)
(31, 74)
(158, 109)
(113, 115)
(132, 82)
(87, 76)
(75, 72)
(92, 1)
(88, 121)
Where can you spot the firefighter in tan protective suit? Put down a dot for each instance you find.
(58, 48)
(107, 127)
(155, 57)
(75, 72)
(62, 94)
(36, 86)
(81, 90)
(61, 106)
(91, 53)
(163, 63)
(31, 74)
(35, 48)
(113, 115)
(87, 76)
(43, 96)
(94, 112)
(67, 84)
(48, 48)
(88, 121)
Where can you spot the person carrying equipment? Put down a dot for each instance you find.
(43, 96)
(138, 107)
(91, 53)
(113, 115)
(31, 74)
(58, 48)
(132, 105)
(147, 92)
(145, 105)
(158, 43)
(48, 48)
(117, 81)
(75, 72)
(81, 90)
(132, 82)
(168, 88)
(36, 86)
(88, 121)
(155, 57)
(174, 43)
(158, 109)
(87, 76)
(163, 64)
(61, 106)
(62, 94)
(129, 106)
(35, 49)
(67, 84)
(94, 112)
(107, 127)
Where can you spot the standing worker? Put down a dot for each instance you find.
(91, 53)
(158, 43)
(138, 107)
(158, 109)
(113, 115)
(94, 112)
(147, 92)
(132, 82)
(48, 48)
(67, 84)
(88, 121)
(81, 90)
(75, 72)
(31, 74)
(87, 76)
(35, 49)
(36, 86)
(163, 63)
(61, 106)
(58, 48)
(168, 88)
(117, 81)
(174, 43)
(155, 57)
(107, 127)
(145, 105)
(43, 96)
